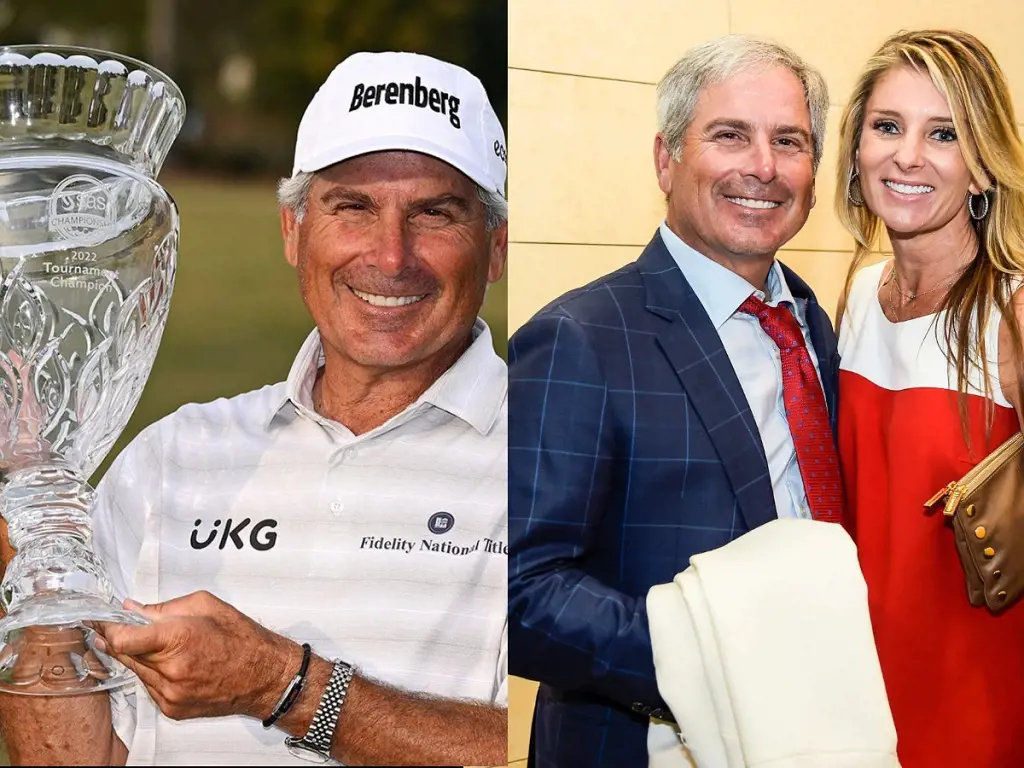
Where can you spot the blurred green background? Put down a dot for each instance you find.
(247, 70)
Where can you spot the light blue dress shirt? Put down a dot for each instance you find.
(754, 356)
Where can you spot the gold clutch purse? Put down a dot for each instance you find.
(985, 507)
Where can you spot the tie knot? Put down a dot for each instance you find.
(778, 322)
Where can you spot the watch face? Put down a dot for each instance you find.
(305, 751)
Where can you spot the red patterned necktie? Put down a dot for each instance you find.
(805, 411)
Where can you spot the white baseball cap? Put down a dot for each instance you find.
(374, 102)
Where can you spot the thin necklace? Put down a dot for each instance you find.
(892, 304)
(910, 297)
(893, 281)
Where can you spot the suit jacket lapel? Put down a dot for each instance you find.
(695, 351)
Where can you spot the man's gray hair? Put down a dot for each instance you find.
(716, 61)
(293, 193)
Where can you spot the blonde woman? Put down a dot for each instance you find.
(930, 379)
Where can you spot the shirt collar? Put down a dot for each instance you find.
(720, 290)
(474, 389)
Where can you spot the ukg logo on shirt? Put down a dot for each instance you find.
(260, 537)
(415, 94)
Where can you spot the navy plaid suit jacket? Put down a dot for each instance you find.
(631, 448)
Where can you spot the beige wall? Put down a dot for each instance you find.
(581, 126)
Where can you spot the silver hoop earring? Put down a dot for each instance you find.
(859, 202)
(970, 206)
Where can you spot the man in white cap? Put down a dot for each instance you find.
(347, 527)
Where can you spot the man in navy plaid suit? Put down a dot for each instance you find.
(646, 415)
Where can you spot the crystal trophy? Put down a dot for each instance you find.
(88, 248)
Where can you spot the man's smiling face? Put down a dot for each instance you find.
(744, 181)
(394, 258)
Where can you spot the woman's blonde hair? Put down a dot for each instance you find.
(967, 75)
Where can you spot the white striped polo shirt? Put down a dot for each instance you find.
(387, 549)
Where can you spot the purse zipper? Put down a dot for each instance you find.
(969, 483)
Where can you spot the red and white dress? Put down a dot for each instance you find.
(954, 673)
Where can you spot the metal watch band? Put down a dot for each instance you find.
(321, 730)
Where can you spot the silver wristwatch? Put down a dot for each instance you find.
(315, 746)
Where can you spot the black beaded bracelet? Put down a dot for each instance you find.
(291, 693)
